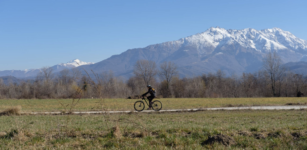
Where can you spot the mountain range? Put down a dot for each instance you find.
(30, 73)
(233, 51)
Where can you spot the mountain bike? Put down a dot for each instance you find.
(140, 105)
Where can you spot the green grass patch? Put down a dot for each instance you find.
(248, 129)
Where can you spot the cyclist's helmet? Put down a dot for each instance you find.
(149, 86)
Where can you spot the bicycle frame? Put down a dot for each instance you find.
(145, 99)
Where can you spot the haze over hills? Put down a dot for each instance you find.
(233, 51)
(297, 67)
(30, 73)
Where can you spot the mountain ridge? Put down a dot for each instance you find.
(234, 51)
(30, 73)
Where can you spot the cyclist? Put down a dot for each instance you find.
(152, 93)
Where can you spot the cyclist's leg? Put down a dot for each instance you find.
(150, 98)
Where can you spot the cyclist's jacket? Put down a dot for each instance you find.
(151, 91)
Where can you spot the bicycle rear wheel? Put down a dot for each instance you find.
(139, 106)
(156, 105)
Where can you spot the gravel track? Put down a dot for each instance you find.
(170, 110)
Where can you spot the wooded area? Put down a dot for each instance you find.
(272, 80)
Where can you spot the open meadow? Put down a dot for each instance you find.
(224, 129)
(39, 105)
(244, 129)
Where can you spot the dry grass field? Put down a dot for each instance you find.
(38, 105)
(199, 130)
(246, 129)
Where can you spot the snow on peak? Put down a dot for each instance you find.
(74, 60)
(75, 63)
(260, 40)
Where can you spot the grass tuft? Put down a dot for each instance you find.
(20, 136)
(3, 134)
(116, 132)
(254, 129)
(220, 138)
(11, 111)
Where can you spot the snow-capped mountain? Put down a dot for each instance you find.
(263, 40)
(233, 51)
(71, 64)
(75, 63)
(28, 73)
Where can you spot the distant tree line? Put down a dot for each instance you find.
(272, 81)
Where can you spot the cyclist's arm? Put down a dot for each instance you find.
(145, 93)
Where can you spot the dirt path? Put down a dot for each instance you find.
(170, 110)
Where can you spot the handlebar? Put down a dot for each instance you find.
(143, 97)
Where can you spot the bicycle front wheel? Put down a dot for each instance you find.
(139, 106)
(156, 105)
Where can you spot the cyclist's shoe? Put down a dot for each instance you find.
(150, 108)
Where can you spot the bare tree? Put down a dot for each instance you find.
(76, 74)
(195, 87)
(272, 64)
(64, 77)
(298, 81)
(2, 85)
(167, 71)
(234, 86)
(146, 70)
(135, 85)
(46, 73)
(178, 87)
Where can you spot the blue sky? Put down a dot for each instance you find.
(40, 33)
